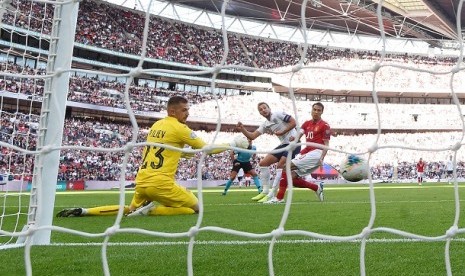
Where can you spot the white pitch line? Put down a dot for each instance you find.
(237, 242)
(296, 203)
(233, 242)
(328, 187)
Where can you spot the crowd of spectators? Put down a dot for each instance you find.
(120, 29)
(144, 98)
(110, 94)
(89, 158)
(391, 76)
(339, 115)
(94, 91)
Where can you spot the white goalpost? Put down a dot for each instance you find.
(51, 123)
(48, 85)
(38, 82)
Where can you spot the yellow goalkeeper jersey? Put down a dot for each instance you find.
(161, 162)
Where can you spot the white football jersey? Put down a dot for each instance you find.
(278, 122)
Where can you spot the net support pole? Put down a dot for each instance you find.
(52, 119)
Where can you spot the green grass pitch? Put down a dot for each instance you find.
(429, 210)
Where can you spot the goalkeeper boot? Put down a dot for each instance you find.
(258, 197)
(142, 210)
(319, 192)
(73, 212)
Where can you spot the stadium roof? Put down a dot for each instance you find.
(423, 19)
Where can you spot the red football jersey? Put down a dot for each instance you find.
(420, 166)
(315, 132)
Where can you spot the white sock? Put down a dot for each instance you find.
(265, 179)
(274, 187)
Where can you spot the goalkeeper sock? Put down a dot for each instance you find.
(170, 211)
(275, 186)
(265, 179)
(228, 184)
(256, 180)
(108, 210)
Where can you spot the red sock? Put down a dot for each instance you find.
(282, 186)
(301, 183)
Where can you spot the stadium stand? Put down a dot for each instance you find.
(183, 43)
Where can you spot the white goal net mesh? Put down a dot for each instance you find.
(37, 70)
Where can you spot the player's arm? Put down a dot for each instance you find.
(323, 154)
(299, 136)
(190, 138)
(251, 135)
(326, 137)
(291, 123)
(199, 143)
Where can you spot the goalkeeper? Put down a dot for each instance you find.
(155, 180)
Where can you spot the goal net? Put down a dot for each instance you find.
(46, 147)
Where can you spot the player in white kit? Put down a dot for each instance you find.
(283, 126)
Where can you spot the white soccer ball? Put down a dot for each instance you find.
(354, 168)
(241, 141)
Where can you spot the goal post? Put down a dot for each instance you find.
(51, 122)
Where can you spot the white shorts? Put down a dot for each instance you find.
(420, 174)
(307, 163)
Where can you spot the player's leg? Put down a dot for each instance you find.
(180, 201)
(141, 204)
(299, 182)
(248, 169)
(274, 187)
(174, 199)
(232, 176)
(304, 165)
(283, 185)
(282, 162)
(104, 210)
(265, 172)
(108, 210)
(256, 179)
(264, 166)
